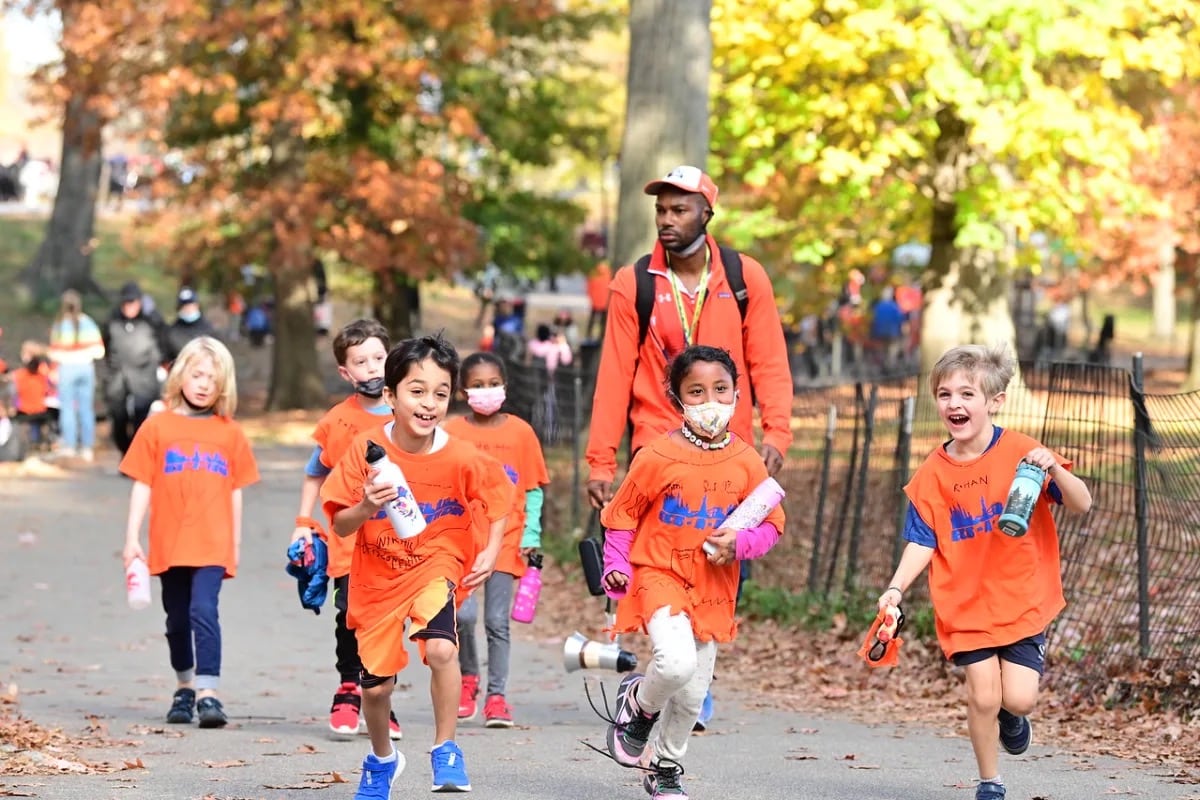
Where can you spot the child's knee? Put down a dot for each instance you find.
(675, 667)
(379, 692)
(440, 653)
(984, 699)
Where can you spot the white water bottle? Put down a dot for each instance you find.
(403, 512)
(137, 584)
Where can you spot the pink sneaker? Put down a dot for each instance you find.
(343, 715)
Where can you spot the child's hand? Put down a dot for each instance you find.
(302, 532)
(891, 597)
(616, 581)
(722, 547)
(132, 550)
(482, 569)
(1041, 457)
(377, 495)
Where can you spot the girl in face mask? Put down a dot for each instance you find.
(510, 441)
(679, 489)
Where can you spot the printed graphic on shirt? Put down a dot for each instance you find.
(446, 507)
(512, 473)
(175, 460)
(964, 525)
(676, 512)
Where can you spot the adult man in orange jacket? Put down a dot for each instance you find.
(688, 272)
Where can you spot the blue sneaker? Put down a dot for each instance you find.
(449, 769)
(706, 713)
(377, 777)
(987, 790)
(1016, 733)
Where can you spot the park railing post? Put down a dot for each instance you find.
(860, 496)
(1141, 501)
(847, 491)
(822, 491)
(576, 450)
(903, 454)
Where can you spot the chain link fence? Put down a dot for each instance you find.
(1131, 566)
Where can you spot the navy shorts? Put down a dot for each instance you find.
(444, 625)
(1028, 652)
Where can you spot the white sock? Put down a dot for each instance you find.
(386, 759)
(996, 780)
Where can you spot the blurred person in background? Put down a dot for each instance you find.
(76, 344)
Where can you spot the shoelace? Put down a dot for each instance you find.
(444, 757)
(668, 772)
(635, 725)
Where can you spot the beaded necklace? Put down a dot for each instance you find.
(702, 443)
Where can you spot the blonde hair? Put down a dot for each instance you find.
(992, 367)
(225, 403)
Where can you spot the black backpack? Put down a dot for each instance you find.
(644, 281)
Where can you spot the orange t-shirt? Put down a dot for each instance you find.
(32, 390)
(597, 286)
(631, 379)
(334, 433)
(674, 496)
(514, 444)
(988, 589)
(192, 466)
(385, 569)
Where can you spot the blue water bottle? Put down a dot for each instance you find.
(1022, 496)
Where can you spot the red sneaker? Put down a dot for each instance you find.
(497, 713)
(394, 727)
(467, 707)
(343, 716)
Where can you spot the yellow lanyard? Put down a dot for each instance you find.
(701, 293)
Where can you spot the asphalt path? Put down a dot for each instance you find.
(81, 660)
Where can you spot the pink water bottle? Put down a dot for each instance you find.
(137, 584)
(528, 590)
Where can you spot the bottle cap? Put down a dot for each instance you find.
(535, 560)
(375, 452)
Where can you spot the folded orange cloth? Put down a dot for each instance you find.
(881, 648)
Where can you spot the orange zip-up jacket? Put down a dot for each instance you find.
(631, 385)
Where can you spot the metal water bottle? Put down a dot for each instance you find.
(1022, 497)
(529, 588)
(403, 512)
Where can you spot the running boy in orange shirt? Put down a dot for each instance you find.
(511, 441)
(398, 583)
(189, 467)
(679, 489)
(360, 348)
(993, 594)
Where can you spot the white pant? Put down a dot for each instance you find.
(676, 681)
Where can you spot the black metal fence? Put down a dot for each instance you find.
(1131, 566)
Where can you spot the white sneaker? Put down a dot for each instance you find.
(86, 454)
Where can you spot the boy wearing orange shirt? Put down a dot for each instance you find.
(189, 466)
(360, 349)
(993, 594)
(410, 583)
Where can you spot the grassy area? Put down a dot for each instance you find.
(118, 258)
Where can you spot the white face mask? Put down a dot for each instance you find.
(486, 400)
(709, 419)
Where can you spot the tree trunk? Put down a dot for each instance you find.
(666, 111)
(64, 259)
(295, 377)
(966, 290)
(394, 306)
(1164, 296)
(1192, 264)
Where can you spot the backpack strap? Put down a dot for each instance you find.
(643, 296)
(732, 260)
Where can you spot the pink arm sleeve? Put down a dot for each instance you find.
(751, 542)
(616, 557)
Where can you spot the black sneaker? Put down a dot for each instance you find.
(1016, 733)
(183, 707)
(211, 713)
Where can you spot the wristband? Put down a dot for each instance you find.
(895, 589)
(311, 524)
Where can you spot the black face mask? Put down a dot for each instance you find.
(372, 388)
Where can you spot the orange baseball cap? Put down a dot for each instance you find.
(689, 179)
